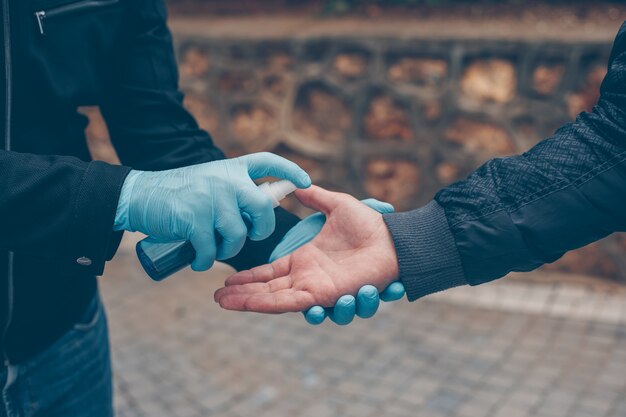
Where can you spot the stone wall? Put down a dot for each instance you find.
(396, 119)
(393, 118)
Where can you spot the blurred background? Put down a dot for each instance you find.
(390, 99)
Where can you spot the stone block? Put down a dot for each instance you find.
(351, 64)
(278, 61)
(547, 77)
(253, 125)
(431, 111)
(447, 172)
(489, 80)
(316, 51)
(194, 62)
(424, 72)
(236, 81)
(387, 118)
(321, 114)
(277, 85)
(394, 181)
(479, 137)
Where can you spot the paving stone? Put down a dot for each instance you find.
(176, 354)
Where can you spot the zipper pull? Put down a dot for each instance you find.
(40, 16)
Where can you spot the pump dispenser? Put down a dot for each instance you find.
(160, 260)
(278, 190)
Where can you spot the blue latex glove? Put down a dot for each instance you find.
(195, 202)
(365, 305)
(367, 300)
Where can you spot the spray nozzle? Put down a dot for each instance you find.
(278, 190)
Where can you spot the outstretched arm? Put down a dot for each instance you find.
(512, 214)
(150, 128)
(518, 213)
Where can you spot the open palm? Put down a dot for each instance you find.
(354, 248)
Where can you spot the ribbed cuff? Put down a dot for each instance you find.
(428, 259)
(122, 218)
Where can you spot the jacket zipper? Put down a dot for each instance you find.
(77, 6)
(8, 79)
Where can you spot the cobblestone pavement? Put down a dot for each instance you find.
(500, 350)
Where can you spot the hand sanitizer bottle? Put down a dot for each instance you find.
(160, 260)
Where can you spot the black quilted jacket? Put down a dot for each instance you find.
(517, 213)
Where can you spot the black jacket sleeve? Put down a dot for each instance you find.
(59, 209)
(517, 213)
(149, 127)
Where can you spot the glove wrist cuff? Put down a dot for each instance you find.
(122, 215)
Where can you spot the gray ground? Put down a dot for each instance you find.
(507, 350)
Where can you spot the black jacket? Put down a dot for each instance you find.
(58, 55)
(517, 213)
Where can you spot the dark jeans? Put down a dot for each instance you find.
(72, 378)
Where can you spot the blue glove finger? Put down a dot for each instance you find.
(258, 206)
(315, 315)
(204, 245)
(379, 206)
(393, 292)
(344, 310)
(264, 164)
(367, 301)
(233, 231)
(300, 234)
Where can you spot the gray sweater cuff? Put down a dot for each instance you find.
(428, 259)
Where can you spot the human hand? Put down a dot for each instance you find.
(365, 304)
(354, 248)
(195, 202)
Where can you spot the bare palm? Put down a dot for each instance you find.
(354, 248)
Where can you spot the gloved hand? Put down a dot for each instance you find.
(365, 305)
(192, 203)
(367, 300)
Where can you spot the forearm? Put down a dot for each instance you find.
(513, 214)
(59, 209)
(517, 213)
(149, 125)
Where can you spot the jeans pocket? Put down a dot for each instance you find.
(90, 317)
